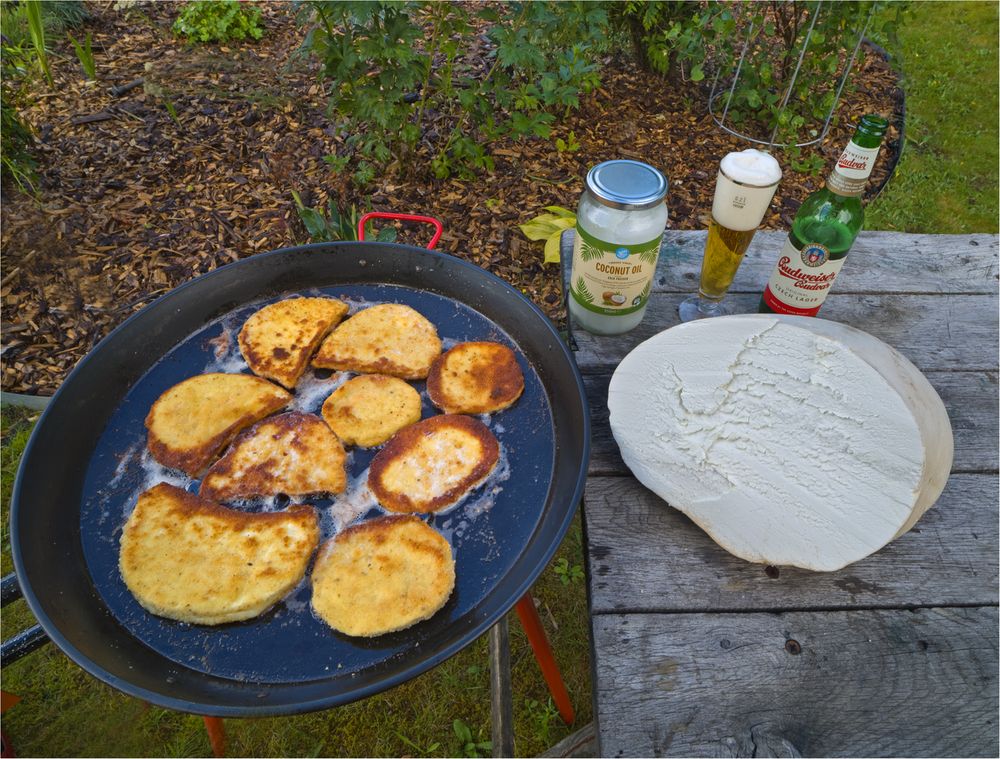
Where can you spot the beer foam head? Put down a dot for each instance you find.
(744, 188)
(752, 167)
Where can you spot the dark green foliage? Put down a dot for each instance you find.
(17, 424)
(56, 17)
(61, 15)
(470, 746)
(85, 54)
(386, 84)
(667, 36)
(218, 21)
(334, 225)
(36, 28)
(16, 139)
(682, 39)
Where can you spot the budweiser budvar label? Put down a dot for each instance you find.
(853, 168)
(802, 279)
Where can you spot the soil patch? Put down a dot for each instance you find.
(134, 201)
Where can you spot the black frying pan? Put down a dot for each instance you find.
(83, 467)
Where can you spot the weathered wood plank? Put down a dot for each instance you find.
(879, 262)
(851, 683)
(645, 556)
(944, 332)
(970, 397)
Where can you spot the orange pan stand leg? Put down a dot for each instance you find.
(532, 625)
(216, 735)
(7, 700)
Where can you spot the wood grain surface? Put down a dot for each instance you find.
(698, 653)
(935, 332)
(844, 683)
(879, 262)
(645, 556)
(883, 262)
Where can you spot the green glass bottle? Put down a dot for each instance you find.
(824, 229)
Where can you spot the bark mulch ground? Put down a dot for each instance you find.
(133, 202)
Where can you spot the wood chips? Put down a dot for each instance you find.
(133, 203)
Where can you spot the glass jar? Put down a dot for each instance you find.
(619, 228)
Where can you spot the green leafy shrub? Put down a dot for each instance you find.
(218, 21)
(683, 40)
(667, 36)
(386, 86)
(334, 225)
(27, 24)
(16, 138)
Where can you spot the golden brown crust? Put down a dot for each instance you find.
(475, 378)
(190, 559)
(432, 464)
(388, 339)
(370, 409)
(294, 454)
(191, 422)
(382, 575)
(278, 340)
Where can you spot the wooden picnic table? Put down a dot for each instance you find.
(699, 653)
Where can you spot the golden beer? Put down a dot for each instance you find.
(744, 188)
(723, 254)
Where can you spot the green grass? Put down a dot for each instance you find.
(66, 712)
(947, 179)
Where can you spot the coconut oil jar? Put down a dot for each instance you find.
(619, 226)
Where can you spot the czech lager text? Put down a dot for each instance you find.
(824, 229)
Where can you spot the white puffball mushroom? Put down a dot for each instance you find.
(790, 440)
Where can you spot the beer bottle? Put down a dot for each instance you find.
(824, 229)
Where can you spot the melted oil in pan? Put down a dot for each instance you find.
(487, 529)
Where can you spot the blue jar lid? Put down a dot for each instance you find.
(629, 185)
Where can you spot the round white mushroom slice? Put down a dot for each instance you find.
(789, 440)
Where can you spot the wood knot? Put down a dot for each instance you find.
(792, 646)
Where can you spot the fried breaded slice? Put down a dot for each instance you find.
(475, 378)
(382, 576)
(432, 464)
(189, 559)
(278, 340)
(386, 339)
(294, 453)
(192, 421)
(370, 409)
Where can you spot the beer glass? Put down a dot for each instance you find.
(743, 190)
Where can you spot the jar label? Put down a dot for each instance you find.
(801, 280)
(609, 278)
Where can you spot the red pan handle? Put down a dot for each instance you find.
(438, 226)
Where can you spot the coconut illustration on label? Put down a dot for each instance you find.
(611, 298)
